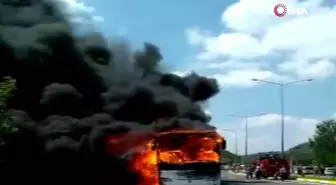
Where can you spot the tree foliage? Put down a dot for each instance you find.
(323, 143)
(228, 157)
(6, 91)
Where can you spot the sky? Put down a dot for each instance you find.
(234, 42)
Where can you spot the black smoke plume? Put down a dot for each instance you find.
(74, 91)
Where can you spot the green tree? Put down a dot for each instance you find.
(7, 86)
(323, 143)
(228, 157)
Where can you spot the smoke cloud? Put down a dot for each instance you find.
(75, 91)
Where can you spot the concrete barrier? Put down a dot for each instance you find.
(317, 181)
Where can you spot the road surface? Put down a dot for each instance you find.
(177, 177)
(230, 178)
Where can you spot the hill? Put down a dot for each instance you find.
(228, 157)
(300, 154)
(301, 147)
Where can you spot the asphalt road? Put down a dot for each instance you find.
(230, 178)
(177, 177)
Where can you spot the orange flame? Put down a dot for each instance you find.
(172, 147)
(193, 146)
(146, 165)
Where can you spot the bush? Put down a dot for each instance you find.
(7, 86)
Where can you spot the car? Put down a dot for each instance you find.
(330, 171)
(308, 170)
(295, 170)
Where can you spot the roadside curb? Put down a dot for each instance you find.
(317, 181)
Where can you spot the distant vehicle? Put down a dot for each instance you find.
(330, 171)
(295, 169)
(308, 170)
(270, 164)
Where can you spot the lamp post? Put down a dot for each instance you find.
(235, 138)
(282, 85)
(246, 117)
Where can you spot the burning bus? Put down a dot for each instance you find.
(185, 156)
(190, 157)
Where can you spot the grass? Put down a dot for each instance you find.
(317, 177)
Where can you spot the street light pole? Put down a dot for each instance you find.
(246, 139)
(282, 102)
(246, 131)
(236, 142)
(235, 138)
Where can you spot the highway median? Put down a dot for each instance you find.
(318, 179)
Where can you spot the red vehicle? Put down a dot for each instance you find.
(270, 164)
